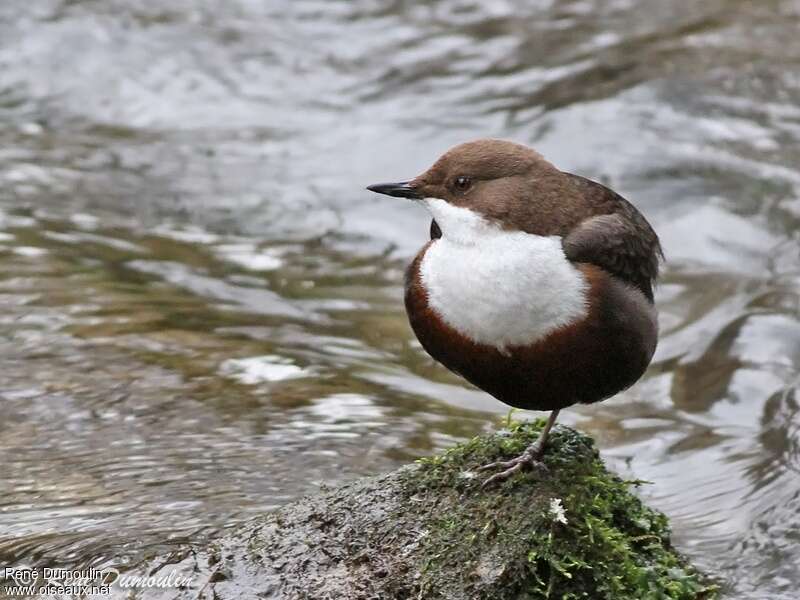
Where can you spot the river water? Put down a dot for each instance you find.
(200, 305)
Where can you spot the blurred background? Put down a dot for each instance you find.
(201, 307)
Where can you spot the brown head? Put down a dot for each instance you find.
(508, 184)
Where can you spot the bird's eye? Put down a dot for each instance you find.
(462, 183)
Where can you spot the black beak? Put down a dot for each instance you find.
(404, 189)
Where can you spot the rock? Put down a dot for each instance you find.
(429, 531)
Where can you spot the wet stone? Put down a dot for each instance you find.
(423, 531)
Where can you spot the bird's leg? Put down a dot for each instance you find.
(529, 458)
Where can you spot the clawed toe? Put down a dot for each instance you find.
(511, 467)
(531, 458)
(503, 475)
(501, 464)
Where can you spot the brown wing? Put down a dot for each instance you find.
(617, 238)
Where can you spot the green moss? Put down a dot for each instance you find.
(612, 545)
(430, 532)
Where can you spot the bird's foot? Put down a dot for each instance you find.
(530, 459)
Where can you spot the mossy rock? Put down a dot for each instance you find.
(429, 531)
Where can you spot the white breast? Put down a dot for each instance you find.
(496, 287)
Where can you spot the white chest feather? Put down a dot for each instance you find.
(496, 287)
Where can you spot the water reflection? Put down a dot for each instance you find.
(200, 308)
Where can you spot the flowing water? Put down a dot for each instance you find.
(200, 305)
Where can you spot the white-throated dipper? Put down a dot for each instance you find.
(536, 285)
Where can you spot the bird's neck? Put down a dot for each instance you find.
(462, 226)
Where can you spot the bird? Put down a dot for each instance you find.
(536, 285)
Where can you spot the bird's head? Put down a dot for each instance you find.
(491, 185)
